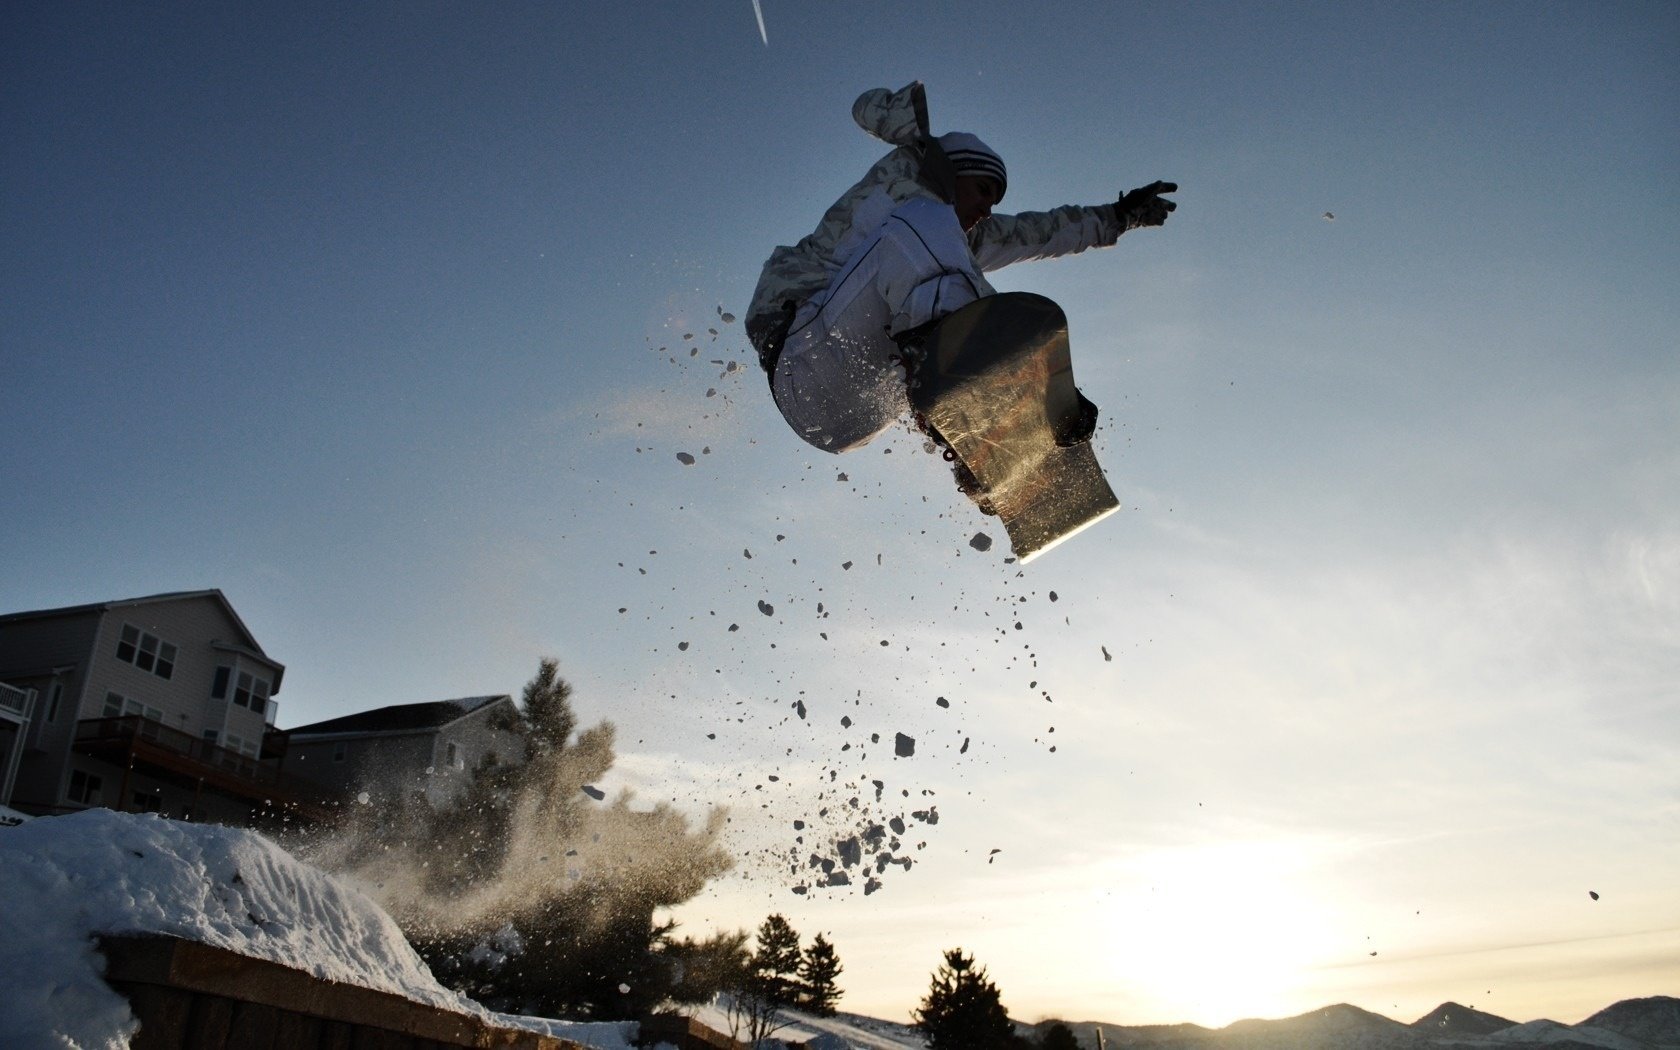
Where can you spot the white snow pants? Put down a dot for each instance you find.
(837, 382)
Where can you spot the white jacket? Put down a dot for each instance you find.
(916, 168)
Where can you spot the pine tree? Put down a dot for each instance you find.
(776, 960)
(1059, 1037)
(963, 1009)
(769, 983)
(705, 968)
(546, 709)
(817, 973)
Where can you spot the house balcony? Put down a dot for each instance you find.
(134, 742)
(15, 703)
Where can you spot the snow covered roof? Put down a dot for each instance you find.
(399, 718)
(71, 879)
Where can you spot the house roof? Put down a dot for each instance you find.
(246, 639)
(400, 718)
(169, 596)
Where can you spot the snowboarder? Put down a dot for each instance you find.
(903, 248)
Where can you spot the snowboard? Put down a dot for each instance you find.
(993, 384)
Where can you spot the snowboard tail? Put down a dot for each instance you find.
(994, 384)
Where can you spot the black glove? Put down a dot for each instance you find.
(1144, 206)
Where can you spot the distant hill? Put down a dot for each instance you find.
(1634, 1024)
(1654, 1021)
(1454, 1019)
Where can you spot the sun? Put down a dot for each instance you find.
(1216, 933)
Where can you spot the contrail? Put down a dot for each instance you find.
(759, 11)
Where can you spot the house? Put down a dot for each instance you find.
(429, 748)
(159, 704)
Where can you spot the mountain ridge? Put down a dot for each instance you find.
(1651, 1023)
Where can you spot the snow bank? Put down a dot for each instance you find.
(843, 1031)
(95, 872)
(67, 879)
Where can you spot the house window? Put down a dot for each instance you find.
(251, 692)
(454, 756)
(210, 736)
(340, 751)
(218, 690)
(85, 788)
(117, 705)
(146, 651)
(148, 802)
(53, 698)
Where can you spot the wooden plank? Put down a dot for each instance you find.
(295, 1030)
(207, 1027)
(216, 971)
(336, 1035)
(253, 1025)
(371, 1038)
(240, 1002)
(163, 1014)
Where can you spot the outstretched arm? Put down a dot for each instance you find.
(1003, 239)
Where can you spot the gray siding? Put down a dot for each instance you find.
(28, 651)
(393, 763)
(193, 626)
(201, 629)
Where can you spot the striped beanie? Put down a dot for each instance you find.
(970, 156)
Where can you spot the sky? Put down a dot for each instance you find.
(391, 320)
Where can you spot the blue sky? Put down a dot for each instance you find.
(357, 315)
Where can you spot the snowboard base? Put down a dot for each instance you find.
(994, 385)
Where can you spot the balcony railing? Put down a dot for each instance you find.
(186, 754)
(15, 703)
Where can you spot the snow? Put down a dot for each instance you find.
(70, 878)
(843, 1031)
(1551, 1032)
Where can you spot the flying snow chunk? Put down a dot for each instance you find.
(685, 459)
(594, 792)
(981, 542)
(766, 608)
(1328, 217)
(904, 746)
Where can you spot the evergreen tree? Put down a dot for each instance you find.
(818, 970)
(705, 968)
(1059, 1037)
(769, 983)
(963, 1009)
(776, 960)
(546, 710)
